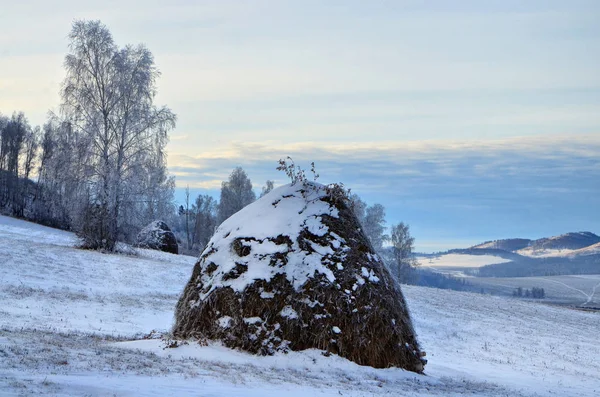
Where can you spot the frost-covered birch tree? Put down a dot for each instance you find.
(372, 220)
(108, 95)
(358, 207)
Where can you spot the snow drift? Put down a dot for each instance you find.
(294, 271)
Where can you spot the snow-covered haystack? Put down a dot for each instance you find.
(157, 236)
(294, 271)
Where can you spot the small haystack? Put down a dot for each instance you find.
(157, 236)
(294, 271)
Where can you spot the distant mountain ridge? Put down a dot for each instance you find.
(509, 244)
(569, 253)
(572, 241)
(567, 241)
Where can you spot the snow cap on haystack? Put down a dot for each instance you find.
(294, 271)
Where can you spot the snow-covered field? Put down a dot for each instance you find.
(460, 260)
(580, 290)
(72, 323)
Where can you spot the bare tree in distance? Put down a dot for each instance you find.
(236, 193)
(206, 220)
(267, 188)
(187, 217)
(402, 262)
(18, 147)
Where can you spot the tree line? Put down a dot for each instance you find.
(535, 293)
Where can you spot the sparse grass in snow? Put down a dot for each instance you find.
(70, 318)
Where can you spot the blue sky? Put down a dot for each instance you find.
(471, 120)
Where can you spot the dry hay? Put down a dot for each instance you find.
(359, 313)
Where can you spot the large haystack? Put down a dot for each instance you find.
(293, 270)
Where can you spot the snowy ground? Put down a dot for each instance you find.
(460, 261)
(72, 324)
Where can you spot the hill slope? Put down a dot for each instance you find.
(71, 323)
